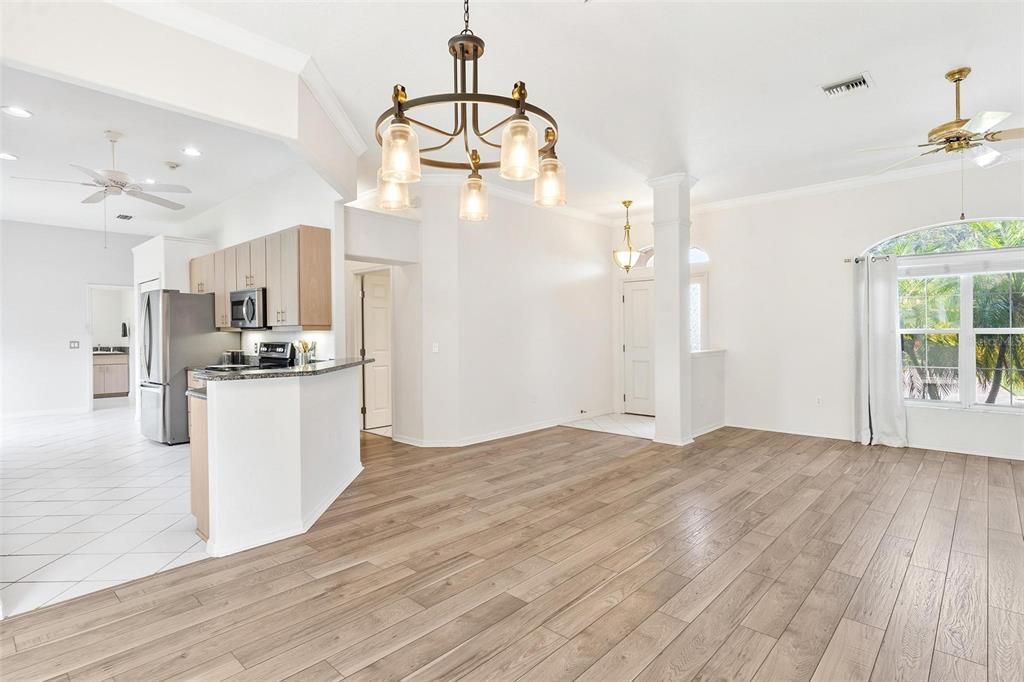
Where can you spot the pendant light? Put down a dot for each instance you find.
(626, 256)
(549, 187)
(391, 196)
(473, 197)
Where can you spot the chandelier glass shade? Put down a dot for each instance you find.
(549, 187)
(519, 152)
(473, 199)
(626, 256)
(391, 195)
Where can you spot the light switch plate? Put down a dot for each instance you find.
(436, 347)
(72, 344)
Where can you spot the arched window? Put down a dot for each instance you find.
(961, 307)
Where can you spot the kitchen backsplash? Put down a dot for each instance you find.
(324, 340)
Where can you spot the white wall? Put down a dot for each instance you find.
(781, 298)
(46, 273)
(516, 308)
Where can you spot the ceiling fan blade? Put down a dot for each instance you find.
(180, 189)
(69, 182)
(986, 120)
(906, 161)
(96, 197)
(1008, 134)
(983, 155)
(909, 145)
(159, 201)
(100, 180)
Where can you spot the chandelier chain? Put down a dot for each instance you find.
(465, 18)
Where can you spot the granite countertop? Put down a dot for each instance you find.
(110, 352)
(319, 367)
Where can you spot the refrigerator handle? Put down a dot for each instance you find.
(148, 336)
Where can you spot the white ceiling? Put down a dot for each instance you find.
(67, 127)
(727, 91)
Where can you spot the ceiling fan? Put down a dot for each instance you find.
(962, 135)
(112, 182)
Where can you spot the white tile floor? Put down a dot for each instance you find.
(85, 503)
(622, 424)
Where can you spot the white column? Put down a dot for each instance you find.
(339, 285)
(672, 382)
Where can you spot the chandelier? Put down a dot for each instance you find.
(626, 256)
(521, 156)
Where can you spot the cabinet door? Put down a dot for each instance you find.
(98, 376)
(209, 275)
(116, 380)
(243, 271)
(195, 275)
(273, 254)
(220, 302)
(290, 277)
(258, 262)
(199, 467)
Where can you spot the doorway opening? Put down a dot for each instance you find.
(373, 336)
(110, 315)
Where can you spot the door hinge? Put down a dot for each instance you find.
(623, 348)
(623, 397)
(362, 410)
(623, 298)
(362, 293)
(362, 352)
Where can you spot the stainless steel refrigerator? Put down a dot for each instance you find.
(176, 331)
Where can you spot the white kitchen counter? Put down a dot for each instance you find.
(280, 450)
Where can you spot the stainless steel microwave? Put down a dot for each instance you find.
(249, 308)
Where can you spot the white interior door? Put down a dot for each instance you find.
(638, 346)
(377, 343)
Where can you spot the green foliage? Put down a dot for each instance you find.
(934, 303)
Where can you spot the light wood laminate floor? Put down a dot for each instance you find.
(570, 554)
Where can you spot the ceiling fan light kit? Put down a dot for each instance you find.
(521, 156)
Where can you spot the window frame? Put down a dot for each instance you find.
(964, 265)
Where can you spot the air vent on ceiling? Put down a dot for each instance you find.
(124, 216)
(861, 81)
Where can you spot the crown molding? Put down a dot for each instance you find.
(322, 91)
(232, 37)
(944, 167)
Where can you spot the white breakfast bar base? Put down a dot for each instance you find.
(280, 451)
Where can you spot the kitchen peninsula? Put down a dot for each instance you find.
(281, 445)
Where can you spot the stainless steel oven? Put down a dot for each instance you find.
(249, 308)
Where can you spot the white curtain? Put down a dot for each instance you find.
(881, 418)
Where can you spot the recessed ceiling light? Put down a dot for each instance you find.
(149, 181)
(191, 151)
(8, 157)
(16, 112)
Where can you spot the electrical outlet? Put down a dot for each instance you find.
(73, 345)
(436, 347)
(817, 401)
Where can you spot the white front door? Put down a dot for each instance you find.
(377, 343)
(638, 346)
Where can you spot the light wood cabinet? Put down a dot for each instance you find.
(202, 274)
(299, 278)
(110, 375)
(199, 470)
(294, 265)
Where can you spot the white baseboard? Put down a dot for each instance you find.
(213, 548)
(700, 431)
(833, 436)
(314, 515)
(482, 438)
